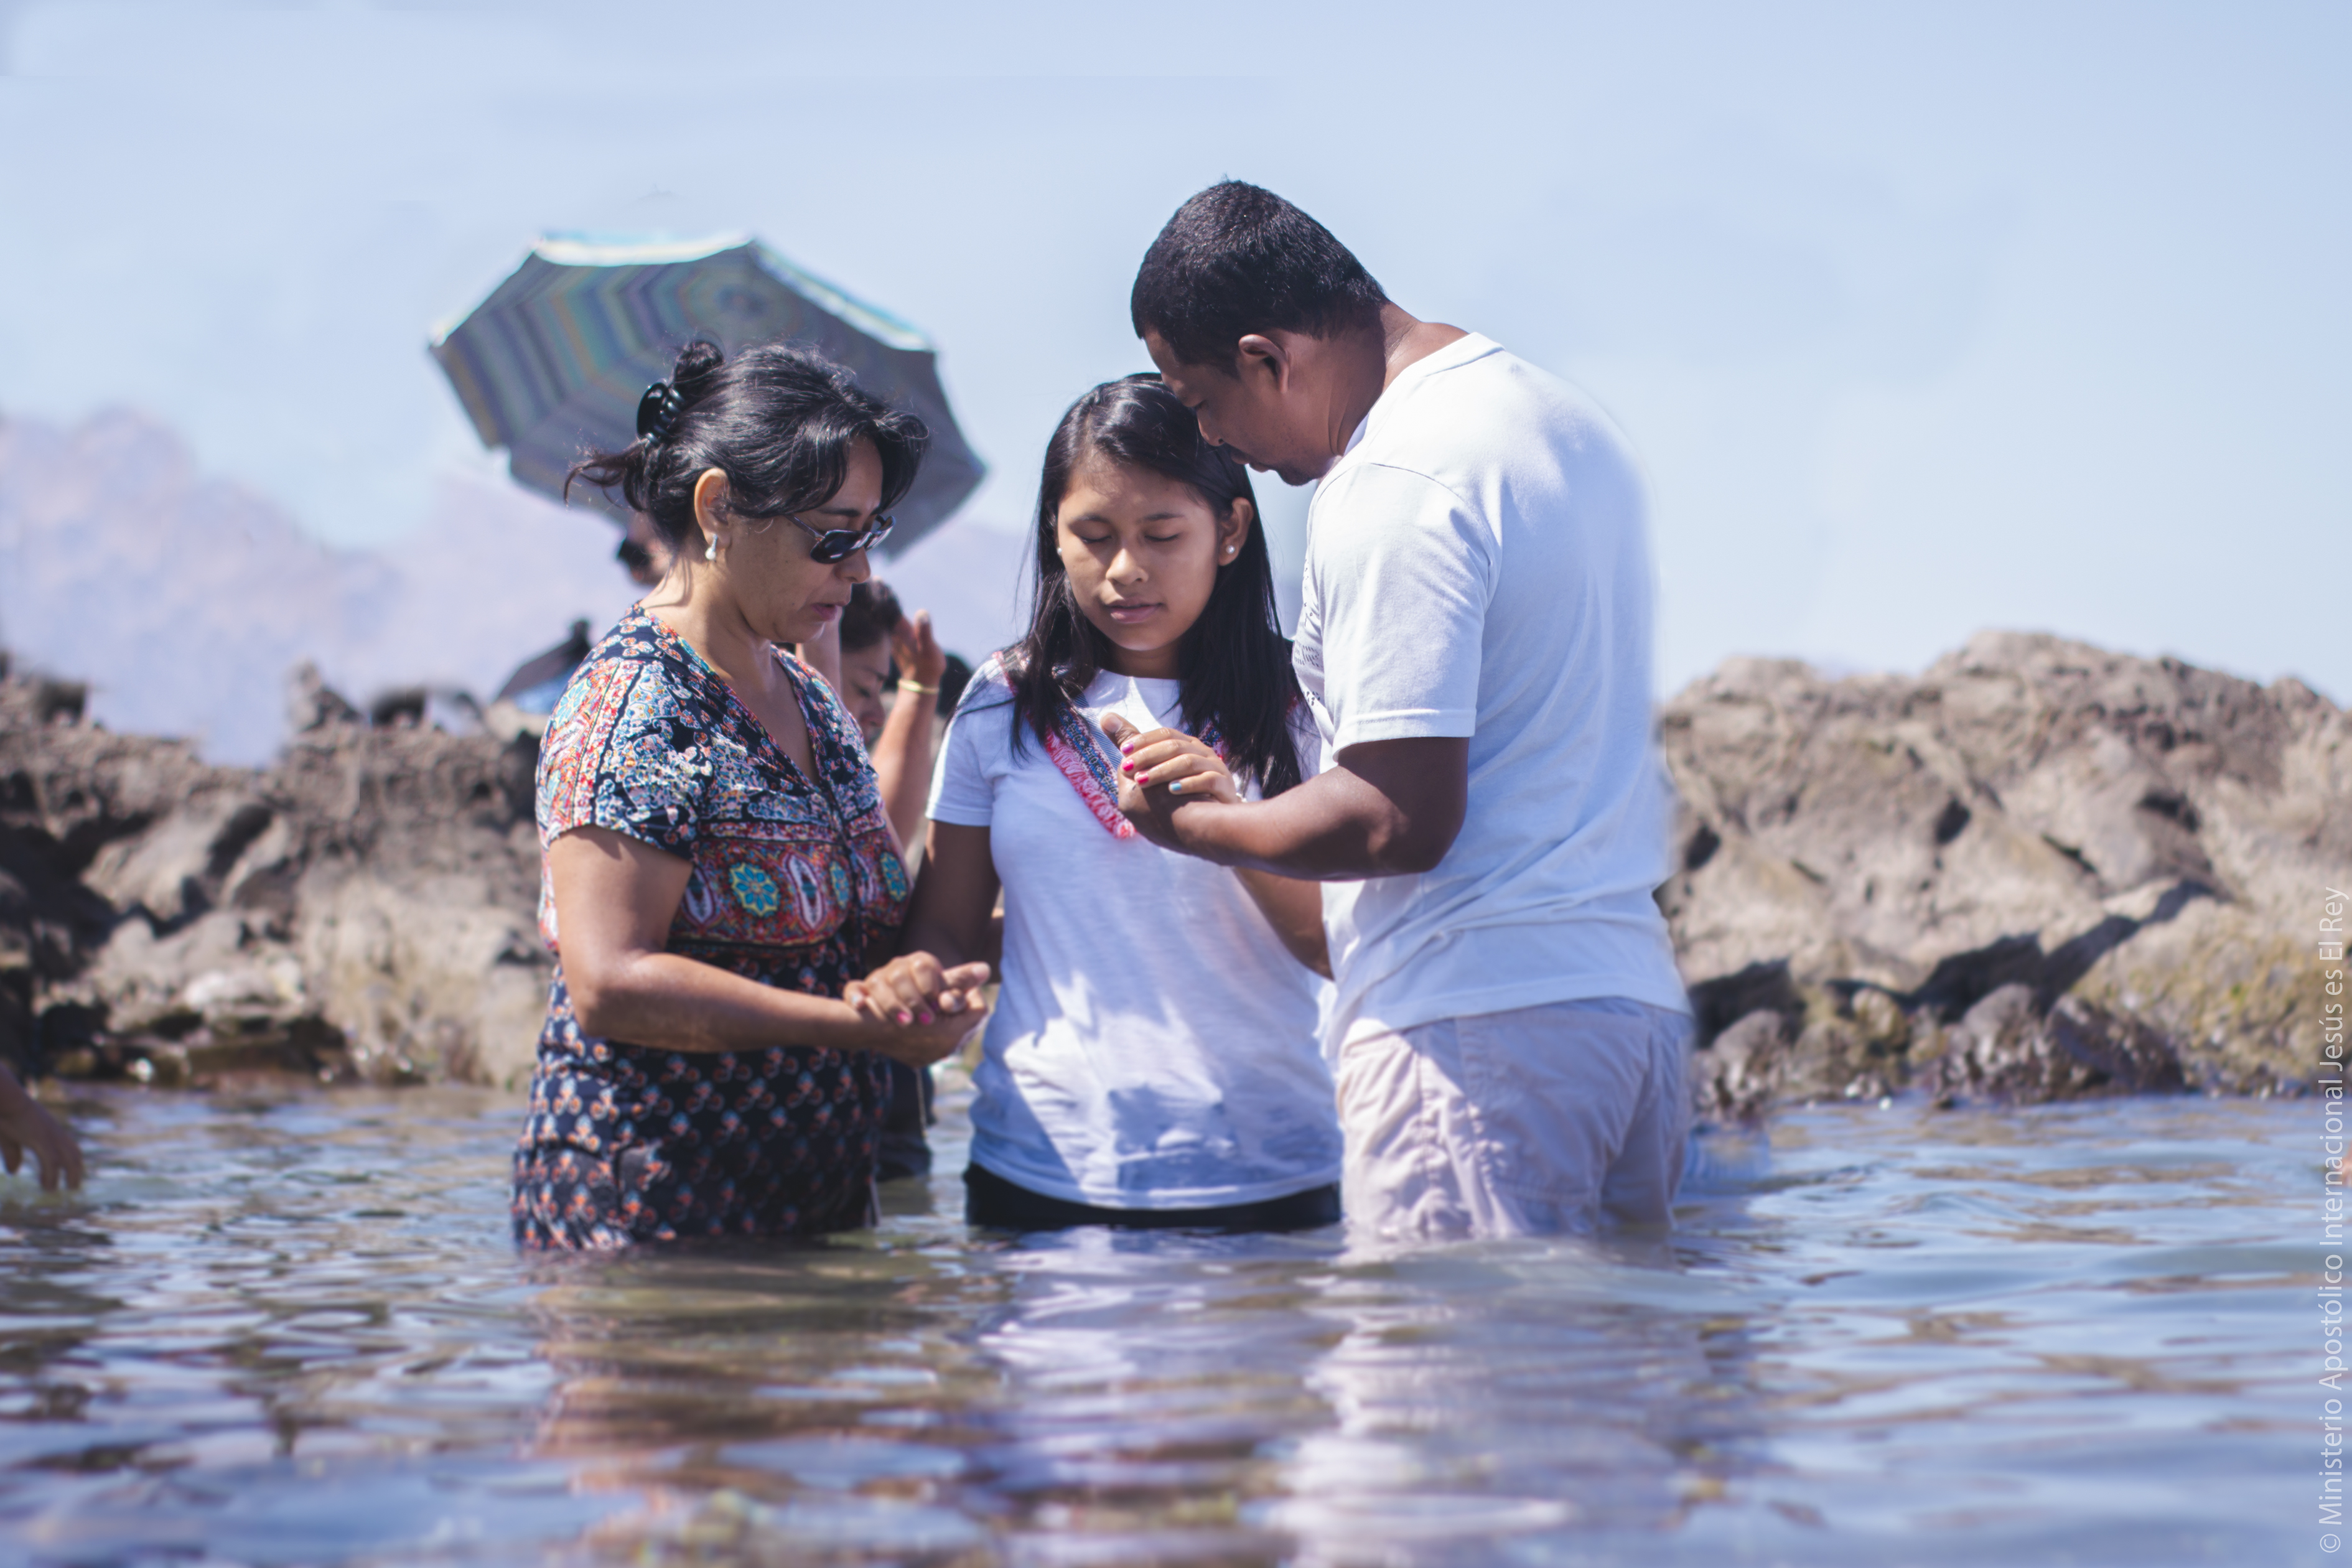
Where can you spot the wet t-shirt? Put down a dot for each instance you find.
(1154, 1045)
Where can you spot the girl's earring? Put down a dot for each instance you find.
(710, 550)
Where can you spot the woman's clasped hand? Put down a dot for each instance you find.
(924, 1009)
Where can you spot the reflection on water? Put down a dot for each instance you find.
(290, 1328)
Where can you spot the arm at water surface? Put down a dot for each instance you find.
(26, 1123)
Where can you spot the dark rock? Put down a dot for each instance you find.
(363, 907)
(1833, 1045)
(2128, 852)
(1717, 1004)
(60, 701)
(402, 708)
(312, 705)
(1740, 1072)
(2008, 1047)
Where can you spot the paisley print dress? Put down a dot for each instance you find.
(794, 881)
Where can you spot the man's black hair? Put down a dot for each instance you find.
(1237, 260)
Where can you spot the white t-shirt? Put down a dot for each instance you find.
(1477, 566)
(1154, 1045)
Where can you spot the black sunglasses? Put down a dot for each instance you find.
(837, 544)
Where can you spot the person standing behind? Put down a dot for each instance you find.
(876, 634)
(1492, 815)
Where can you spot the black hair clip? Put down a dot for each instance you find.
(658, 411)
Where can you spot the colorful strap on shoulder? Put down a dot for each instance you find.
(1072, 746)
(1076, 748)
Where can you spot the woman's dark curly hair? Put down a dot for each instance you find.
(1235, 661)
(779, 422)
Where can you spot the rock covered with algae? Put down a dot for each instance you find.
(2037, 871)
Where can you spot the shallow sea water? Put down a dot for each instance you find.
(288, 1328)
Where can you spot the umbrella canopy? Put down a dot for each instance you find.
(555, 360)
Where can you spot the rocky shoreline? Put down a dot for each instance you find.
(2035, 871)
(363, 908)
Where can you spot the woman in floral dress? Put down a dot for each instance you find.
(719, 871)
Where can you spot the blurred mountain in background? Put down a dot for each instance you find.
(184, 600)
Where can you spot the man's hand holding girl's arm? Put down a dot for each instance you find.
(1389, 808)
(1185, 769)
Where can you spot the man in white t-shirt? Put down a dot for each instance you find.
(1491, 817)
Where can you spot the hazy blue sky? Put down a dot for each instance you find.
(1923, 318)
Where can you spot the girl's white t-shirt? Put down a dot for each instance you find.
(1154, 1045)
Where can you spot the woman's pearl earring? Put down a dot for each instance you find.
(710, 550)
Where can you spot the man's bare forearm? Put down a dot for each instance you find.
(1337, 826)
(1390, 808)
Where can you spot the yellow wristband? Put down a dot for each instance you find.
(919, 686)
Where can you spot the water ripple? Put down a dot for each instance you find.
(290, 1328)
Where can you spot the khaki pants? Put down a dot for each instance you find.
(1536, 1121)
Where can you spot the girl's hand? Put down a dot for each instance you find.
(917, 649)
(26, 1123)
(921, 1045)
(915, 988)
(917, 1010)
(1183, 765)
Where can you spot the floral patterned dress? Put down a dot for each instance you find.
(795, 879)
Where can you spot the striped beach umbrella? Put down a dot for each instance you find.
(555, 360)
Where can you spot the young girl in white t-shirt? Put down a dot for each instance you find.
(1153, 1058)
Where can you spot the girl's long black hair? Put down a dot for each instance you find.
(1236, 660)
